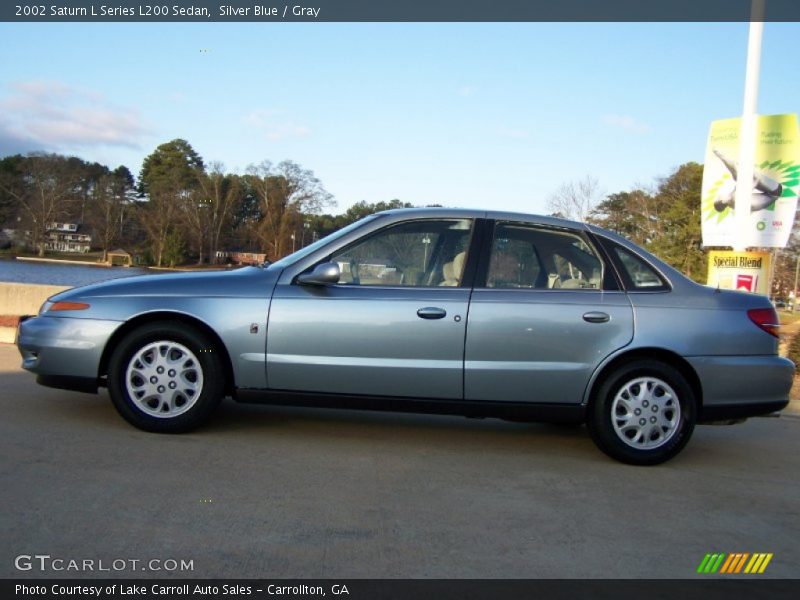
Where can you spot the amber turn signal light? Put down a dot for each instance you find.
(68, 306)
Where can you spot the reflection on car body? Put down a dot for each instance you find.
(451, 311)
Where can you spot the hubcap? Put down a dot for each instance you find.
(645, 413)
(164, 379)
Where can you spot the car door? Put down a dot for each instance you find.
(393, 325)
(544, 313)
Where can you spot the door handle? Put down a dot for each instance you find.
(431, 312)
(596, 317)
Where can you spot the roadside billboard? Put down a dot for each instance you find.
(744, 271)
(774, 189)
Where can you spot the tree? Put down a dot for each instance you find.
(245, 218)
(575, 199)
(785, 263)
(284, 194)
(679, 240)
(631, 214)
(168, 178)
(89, 175)
(174, 248)
(359, 210)
(46, 188)
(322, 225)
(10, 186)
(106, 209)
(217, 196)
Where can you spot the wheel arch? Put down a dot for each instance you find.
(164, 315)
(659, 354)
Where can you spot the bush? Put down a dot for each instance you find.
(793, 349)
(174, 249)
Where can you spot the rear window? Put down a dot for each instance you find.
(638, 274)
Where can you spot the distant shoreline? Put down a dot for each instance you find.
(85, 263)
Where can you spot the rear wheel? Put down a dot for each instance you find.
(643, 414)
(165, 377)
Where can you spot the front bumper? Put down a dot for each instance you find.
(736, 387)
(64, 352)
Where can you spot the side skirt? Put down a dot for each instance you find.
(512, 411)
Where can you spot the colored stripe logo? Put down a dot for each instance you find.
(736, 563)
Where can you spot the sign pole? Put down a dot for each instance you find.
(747, 135)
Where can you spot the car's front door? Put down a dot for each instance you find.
(393, 325)
(542, 317)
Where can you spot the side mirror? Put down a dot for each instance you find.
(323, 274)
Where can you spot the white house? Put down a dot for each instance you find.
(67, 237)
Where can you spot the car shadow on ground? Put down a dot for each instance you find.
(251, 421)
(247, 423)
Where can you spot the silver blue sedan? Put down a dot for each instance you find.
(482, 314)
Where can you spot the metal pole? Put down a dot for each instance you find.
(747, 134)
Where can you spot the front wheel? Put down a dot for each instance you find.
(643, 414)
(165, 377)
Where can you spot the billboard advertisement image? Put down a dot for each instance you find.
(775, 186)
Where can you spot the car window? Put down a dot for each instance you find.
(429, 252)
(638, 274)
(540, 258)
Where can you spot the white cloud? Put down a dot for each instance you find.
(626, 122)
(467, 90)
(177, 97)
(274, 126)
(514, 132)
(55, 116)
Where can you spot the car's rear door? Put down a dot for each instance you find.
(394, 324)
(544, 313)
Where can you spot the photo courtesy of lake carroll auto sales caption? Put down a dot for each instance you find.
(185, 589)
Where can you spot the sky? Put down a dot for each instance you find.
(478, 115)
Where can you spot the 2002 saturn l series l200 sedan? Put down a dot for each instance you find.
(484, 314)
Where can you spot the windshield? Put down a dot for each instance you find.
(303, 252)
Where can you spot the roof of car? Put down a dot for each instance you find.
(439, 211)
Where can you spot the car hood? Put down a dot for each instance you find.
(244, 282)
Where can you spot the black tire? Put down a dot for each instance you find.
(663, 439)
(203, 364)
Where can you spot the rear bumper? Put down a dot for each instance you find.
(736, 387)
(64, 352)
(724, 412)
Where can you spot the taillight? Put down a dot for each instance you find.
(766, 319)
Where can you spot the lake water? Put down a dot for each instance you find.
(24, 271)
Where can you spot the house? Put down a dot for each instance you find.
(242, 258)
(67, 237)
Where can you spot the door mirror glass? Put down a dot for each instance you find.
(323, 274)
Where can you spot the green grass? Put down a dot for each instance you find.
(787, 318)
